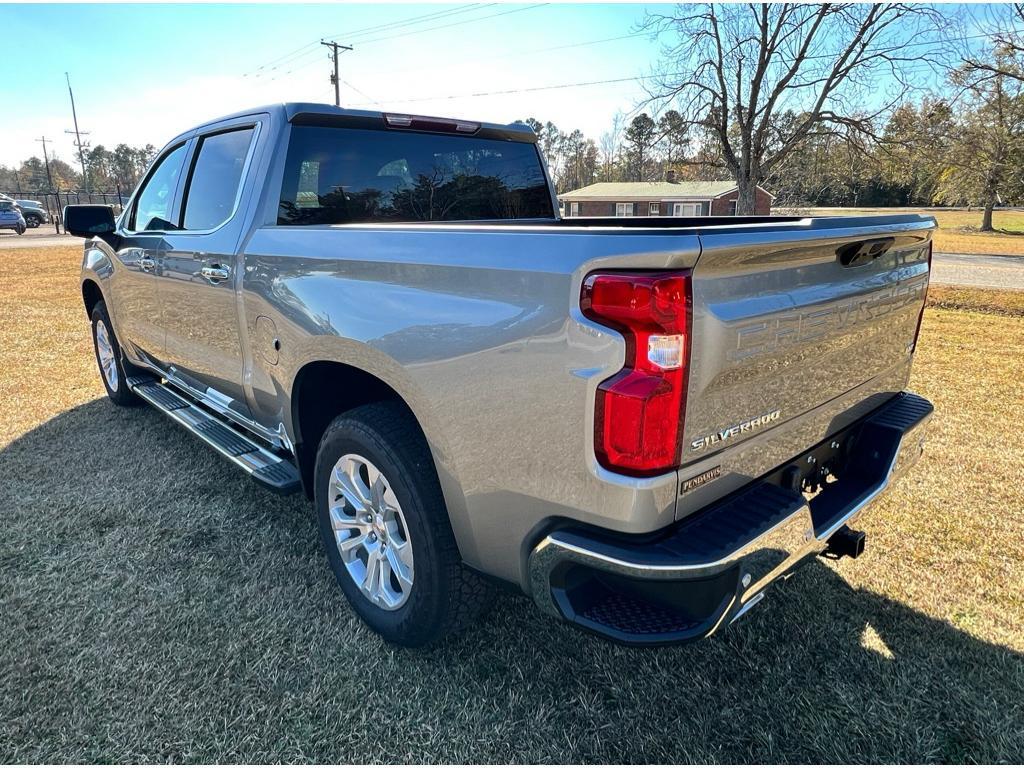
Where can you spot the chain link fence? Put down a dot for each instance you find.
(54, 202)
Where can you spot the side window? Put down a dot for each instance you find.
(216, 176)
(152, 209)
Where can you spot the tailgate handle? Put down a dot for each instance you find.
(863, 252)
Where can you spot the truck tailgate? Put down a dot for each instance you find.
(788, 319)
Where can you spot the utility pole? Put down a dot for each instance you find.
(53, 189)
(78, 135)
(46, 159)
(335, 47)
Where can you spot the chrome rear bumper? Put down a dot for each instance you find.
(684, 582)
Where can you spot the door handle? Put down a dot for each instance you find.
(146, 264)
(215, 273)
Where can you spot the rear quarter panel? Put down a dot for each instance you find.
(478, 329)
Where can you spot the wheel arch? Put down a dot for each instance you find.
(91, 295)
(325, 388)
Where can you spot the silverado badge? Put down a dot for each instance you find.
(737, 429)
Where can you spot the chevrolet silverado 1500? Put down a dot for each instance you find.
(642, 423)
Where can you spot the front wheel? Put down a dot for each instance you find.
(113, 368)
(33, 221)
(385, 528)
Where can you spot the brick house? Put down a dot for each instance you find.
(659, 198)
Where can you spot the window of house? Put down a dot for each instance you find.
(686, 209)
(574, 209)
(654, 209)
(216, 178)
(732, 207)
(623, 209)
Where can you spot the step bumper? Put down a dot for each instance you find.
(684, 582)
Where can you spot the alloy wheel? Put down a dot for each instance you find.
(370, 532)
(105, 353)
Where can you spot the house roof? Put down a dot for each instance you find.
(650, 190)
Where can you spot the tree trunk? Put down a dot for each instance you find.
(986, 218)
(746, 201)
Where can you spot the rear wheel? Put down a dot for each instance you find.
(385, 528)
(113, 369)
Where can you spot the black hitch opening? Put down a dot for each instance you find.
(845, 542)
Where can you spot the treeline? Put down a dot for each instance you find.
(895, 106)
(106, 170)
(926, 153)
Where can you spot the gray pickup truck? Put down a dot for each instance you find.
(641, 423)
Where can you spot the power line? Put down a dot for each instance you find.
(310, 47)
(443, 97)
(440, 26)
(364, 95)
(453, 24)
(511, 91)
(415, 20)
(522, 52)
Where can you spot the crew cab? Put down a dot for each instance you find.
(641, 423)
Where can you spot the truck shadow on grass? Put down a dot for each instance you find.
(156, 605)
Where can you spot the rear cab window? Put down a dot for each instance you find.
(338, 175)
(216, 178)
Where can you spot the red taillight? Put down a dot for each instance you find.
(920, 316)
(638, 422)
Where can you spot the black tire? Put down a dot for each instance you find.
(116, 386)
(20, 229)
(33, 221)
(445, 596)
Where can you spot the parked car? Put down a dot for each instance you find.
(642, 424)
(34, 212)
(11, 218)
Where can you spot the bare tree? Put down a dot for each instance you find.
(1007, 36)
(610, 144)
(736, 69)
(986, 150)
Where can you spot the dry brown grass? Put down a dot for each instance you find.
(957, 230)
(156, 606)
(1010, 303)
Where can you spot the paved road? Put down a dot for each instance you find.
(34, 238)
(1006, 272)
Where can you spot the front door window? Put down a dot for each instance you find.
(152, 211)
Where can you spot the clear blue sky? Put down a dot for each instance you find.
(142, 73)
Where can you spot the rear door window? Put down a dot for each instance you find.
(216, 178)
(349, 175)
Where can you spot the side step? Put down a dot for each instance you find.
(266, 468)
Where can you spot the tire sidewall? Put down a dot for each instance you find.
(415, 622)
(122, 395)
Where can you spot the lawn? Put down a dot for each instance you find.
(957, 232)
(157, 606)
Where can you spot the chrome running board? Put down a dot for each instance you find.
(262, 465)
